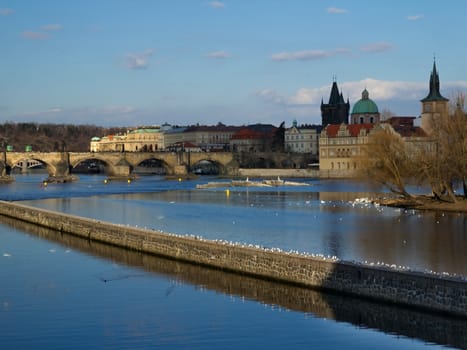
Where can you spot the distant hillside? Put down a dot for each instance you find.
(51, 137)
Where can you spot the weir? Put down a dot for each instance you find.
(431, 292)
(428, 327)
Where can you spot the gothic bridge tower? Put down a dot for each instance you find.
(336, 111)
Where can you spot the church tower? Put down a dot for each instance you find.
(337, 110)
(434, 105)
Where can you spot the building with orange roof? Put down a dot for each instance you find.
(339, 145)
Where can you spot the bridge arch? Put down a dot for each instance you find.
(89, 157)
(207, 167)
(19, 157)
(151, 164)
(61, 164)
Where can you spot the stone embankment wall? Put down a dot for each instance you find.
(431, 292)
(298, 173)
(274, 173)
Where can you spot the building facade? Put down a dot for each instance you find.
(302, 139)
(108, 143)
(340, 145)
(253, 138)
(144, 140)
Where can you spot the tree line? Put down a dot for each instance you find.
(51, 137)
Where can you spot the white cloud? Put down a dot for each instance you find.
(6, 11)
(55, 110)
(308, 55)
(217, 4)
(219, 54)
(52, 27)
(32, 35)
(414, 17)
(382, 90)
(389, 93)
(377, 47)
(271, 95)
(336, 10)
(112, 110)
(139, 60)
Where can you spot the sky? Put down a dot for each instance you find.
(237, 62)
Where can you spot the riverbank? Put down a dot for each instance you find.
(390, 284)
(425, 203)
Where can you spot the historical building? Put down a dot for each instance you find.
(336, 111)
(434, 105)
(152, 139)
(211, 138)
(144, 140)
(302, 139)
(339, 145)
(108, 143)
(137, 140)
(253, 138)
(414, 137)
(365, 111)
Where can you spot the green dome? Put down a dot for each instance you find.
(365, 105)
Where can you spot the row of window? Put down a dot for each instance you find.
(342, 141)
(298, 137)
(343, 165)
(339, 152)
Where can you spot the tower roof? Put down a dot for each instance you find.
(434, 94)
(336, 97)
(365, 105)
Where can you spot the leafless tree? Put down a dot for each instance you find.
(448, 164)
(385, 160)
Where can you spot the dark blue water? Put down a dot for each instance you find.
(59, 292)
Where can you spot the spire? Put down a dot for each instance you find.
(434, 94)
(334, 97)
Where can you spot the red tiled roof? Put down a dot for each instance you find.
(249, 134)
(332, 129)
(215, 128)
(399, 120)
(414, 131)
(354, 129)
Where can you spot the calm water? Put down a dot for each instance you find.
(61, 292)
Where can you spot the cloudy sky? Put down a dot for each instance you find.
(146, 62)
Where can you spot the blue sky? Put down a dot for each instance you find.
(146, 62)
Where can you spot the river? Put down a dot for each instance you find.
(62, 292)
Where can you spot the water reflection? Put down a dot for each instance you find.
(427, 327)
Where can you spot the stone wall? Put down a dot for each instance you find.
(420, 290)
(274, 173)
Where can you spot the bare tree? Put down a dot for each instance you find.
(385, 160)
(446, 164)
(386, 114)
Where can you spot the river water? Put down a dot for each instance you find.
(60, 292)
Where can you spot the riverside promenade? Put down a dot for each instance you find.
(388, 284)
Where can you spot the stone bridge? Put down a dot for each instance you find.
(120, 164)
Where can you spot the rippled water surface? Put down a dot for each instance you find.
(60, 292)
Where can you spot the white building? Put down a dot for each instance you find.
(302, 139)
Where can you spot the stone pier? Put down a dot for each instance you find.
(431, 292)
